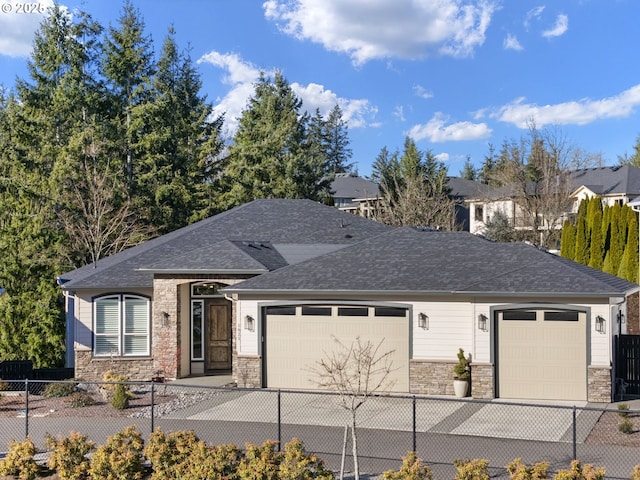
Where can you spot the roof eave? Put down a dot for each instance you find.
(205, 271)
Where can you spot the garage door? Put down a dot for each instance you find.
(542, 355)
(298, 337)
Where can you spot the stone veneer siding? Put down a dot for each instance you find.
(248, 371)
(92, 368)
(482, 380)
(433, 377)
(599, 384)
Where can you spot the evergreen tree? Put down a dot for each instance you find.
(596, 250)
(618, 239)
(270, 155)
(582, 253)
(468, 171)
(336, 133)
(128, 66)
(174, 138)
(568, 240)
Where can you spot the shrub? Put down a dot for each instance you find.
(80, 399)
(168, 452)
(259, 462)
(297, 464)
(19, 461)
(475, 469)
(636, 473)
(580, 472)
(623, 410)
(121, 397)
(120, 458)
(625, 426)
(219, 462)
(519, 471)
(412, 469)
(59, 389)
(69, 456)
(461, 369)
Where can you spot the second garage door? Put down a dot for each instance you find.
(297, 337)
(542, 355)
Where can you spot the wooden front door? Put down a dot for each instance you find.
(218, 336)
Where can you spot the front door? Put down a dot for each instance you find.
(218, 335)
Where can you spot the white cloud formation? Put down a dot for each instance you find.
(579, 112)
(398, 112)
(443, 157)
(241, 77)
(17, 28)
(436, 130)
(386, 28)
(534, 13)
(512, 43)
(559, 28)
(420, 91)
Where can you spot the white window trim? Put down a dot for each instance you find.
(121, 330)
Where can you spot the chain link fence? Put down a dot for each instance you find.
(440, 429)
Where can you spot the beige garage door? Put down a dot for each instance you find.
(298, 337)
(542, 355)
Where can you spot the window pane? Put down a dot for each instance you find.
(135, 345)
(561, 316)
(106, 345)
(390, 312)
(196, 331)
(320, 311)
(519, 315)
(107, 317)
(136, 316)
(353, 311)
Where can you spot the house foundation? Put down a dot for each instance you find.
(599, 384)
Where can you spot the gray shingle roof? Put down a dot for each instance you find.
(413, 261)
(198, 246)
(609, 180)
(349, 185)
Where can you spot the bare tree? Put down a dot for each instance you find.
(416, 201)
(95, 217)
(356, 372)
(536, 174)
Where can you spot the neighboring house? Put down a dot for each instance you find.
(354, 194)
(263, 289)
(612, 184)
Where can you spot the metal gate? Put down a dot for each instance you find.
(627, 366)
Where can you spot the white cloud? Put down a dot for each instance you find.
(436, 130)
(17, 28)
(420, 91)
(512, 43)
(386, 28)
(579, 112)
(560, 27)
(443, 157)
(241, 77)
(534, 13)
(398, 112)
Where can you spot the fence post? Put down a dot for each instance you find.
(414, 424)
(26, 408)
(153, 391)
(575, 428)
(279, 421)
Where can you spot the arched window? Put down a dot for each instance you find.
(121, 325)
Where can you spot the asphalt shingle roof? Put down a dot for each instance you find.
(410, 260)
(198, 246)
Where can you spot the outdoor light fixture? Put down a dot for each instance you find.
(482, 322)
(600, 324)
(250, 323)
(165, 319)
(423, 321)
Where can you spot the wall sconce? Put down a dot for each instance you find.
(423, 321)
(165, 319)
(250, 323)
(601, 326)
(482, 322)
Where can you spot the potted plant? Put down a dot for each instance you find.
(461, 375)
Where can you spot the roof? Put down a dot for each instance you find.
(617, 180)
(350, 185)
(463, 188)
(240, 240)
(407, 260)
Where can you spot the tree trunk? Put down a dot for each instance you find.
(354, 447)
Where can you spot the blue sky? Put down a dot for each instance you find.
(455, 75)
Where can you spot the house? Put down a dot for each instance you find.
(354, 194)
(263, 290)
(612, 184)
